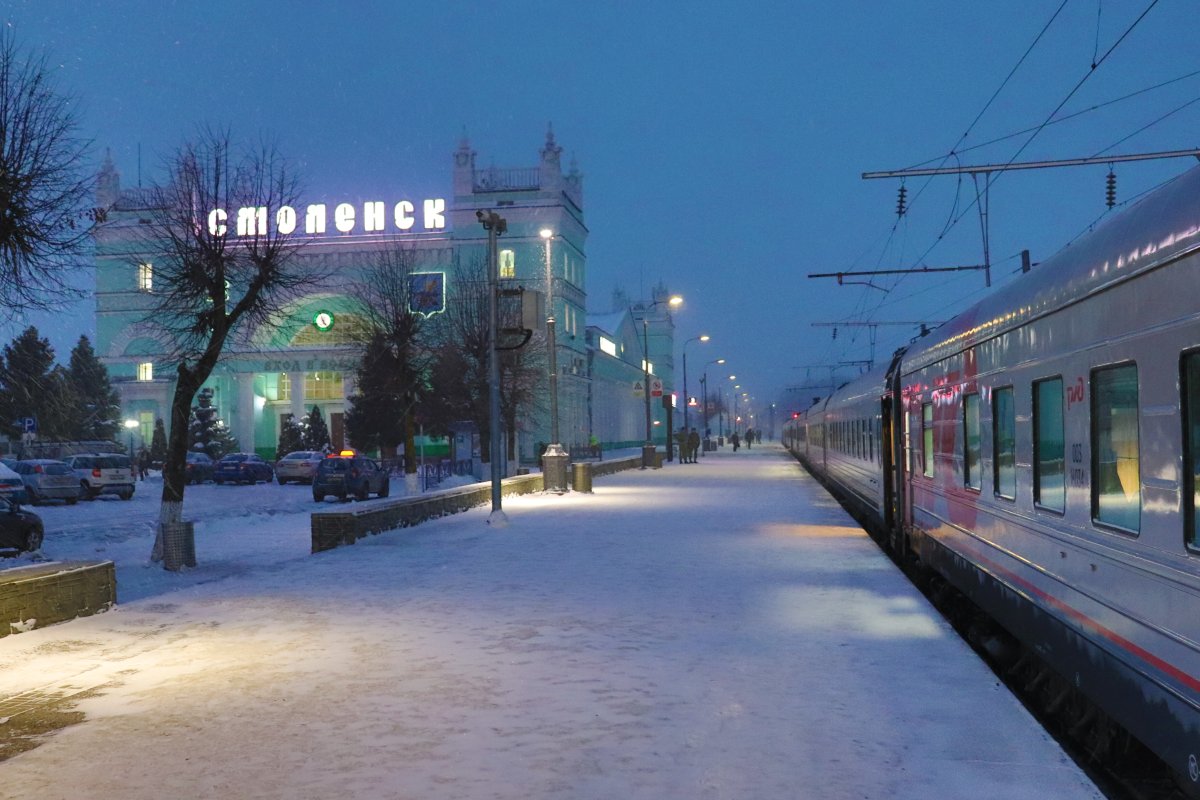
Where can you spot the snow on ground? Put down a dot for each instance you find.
(718, 630)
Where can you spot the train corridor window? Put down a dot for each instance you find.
(1004, 443)
(1116, 470)
(1049, 469)
(1191, 447)
(971, 466)
(927, 437)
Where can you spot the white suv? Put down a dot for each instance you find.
(102, 473)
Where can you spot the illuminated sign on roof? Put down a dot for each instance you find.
(375, 217)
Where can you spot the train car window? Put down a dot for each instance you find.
(1116, 469)
(927, 437)
(971, 468)
(1191, 448)
(1004, 442)
(1049, 469)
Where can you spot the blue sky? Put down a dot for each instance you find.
(722, 143)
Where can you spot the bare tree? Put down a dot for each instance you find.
(522, 362)
(214, 276)
(45, 190)
(395, 356)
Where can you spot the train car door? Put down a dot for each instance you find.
(887, 440)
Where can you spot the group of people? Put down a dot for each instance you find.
(689, 445)
(689, 442)
(750, 438)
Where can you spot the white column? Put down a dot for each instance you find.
(245, 408)
(297, 384)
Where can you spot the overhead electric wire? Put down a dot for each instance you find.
(992, 179)
(1066, 118)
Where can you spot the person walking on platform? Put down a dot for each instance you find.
(681, 439)
(749, 437)
(735, 441)
(693, 443)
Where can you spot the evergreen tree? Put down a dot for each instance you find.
(291, 436)
(207, 433)
(375, 419)
(316, 435)
(98, 405)
(158, 442)
(28, 387)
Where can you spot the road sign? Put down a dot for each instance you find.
(639, 389)
(27, 424)
(656, 387)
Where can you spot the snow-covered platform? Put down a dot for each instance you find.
(716, 630)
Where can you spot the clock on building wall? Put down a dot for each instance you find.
(323, 320)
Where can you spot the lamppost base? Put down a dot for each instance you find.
(554, 469)
(648, 451)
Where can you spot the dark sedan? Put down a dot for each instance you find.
(243, 468)
(199, 468)
(20, 530)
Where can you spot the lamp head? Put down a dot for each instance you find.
(704, 337)
(545, 233)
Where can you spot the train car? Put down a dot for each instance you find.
(1044, 451)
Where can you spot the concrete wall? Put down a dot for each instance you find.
(43, 594)
(332, 529)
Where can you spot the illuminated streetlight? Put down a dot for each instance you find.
(704, 337)
(704, 388)
(554, 460)
(130, 424)
(648, 447)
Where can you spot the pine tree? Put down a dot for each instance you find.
(375, 418)
(28, 387)
(158, 442)
(291, 436)
(98, 415)
(207, 433)
(316, 436)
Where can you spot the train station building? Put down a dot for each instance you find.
(308, 357)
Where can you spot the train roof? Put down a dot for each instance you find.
(1164, 226)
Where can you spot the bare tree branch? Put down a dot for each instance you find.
(45, 192)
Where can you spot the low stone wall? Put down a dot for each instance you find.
(346, 525)
(43, 594)
(601, 468)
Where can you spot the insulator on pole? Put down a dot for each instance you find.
(901, 201)
(1110, 190)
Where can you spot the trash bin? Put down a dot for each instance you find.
(554, 469)
(581, 476)
(658, 459)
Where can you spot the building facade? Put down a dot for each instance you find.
(306, 356)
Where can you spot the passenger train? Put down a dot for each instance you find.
(1041, 453)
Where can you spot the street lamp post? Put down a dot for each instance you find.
(495, 225)
(648, 445)
(704, 386)
(554, 460)
(704, 337)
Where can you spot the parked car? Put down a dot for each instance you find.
(11, 485)
(299, 466)
(348, 473)
(21, 531)
(199, 468)
(242, 468)
(102, 473)
(48, 479)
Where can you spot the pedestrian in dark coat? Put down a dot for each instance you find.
(735, 441)
(693, 445)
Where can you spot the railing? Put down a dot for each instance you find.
(430, 472)
(494, 179)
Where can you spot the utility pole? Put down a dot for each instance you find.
(495, 225)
